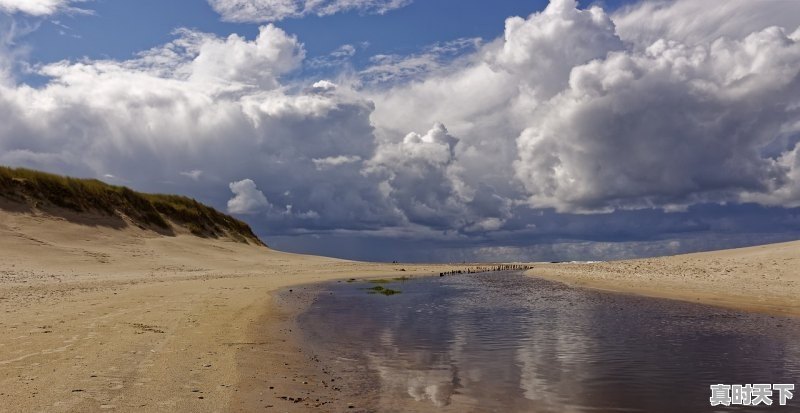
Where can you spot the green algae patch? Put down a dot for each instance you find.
(382, 290)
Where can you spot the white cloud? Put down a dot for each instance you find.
(149, 119)
(229, 63)
(257, 63)
(421, 177)
(339, 57)
(542, 49)
(260, 11)
(396, 68)
(559, 113)
(671, 125)
(248, 199)
(38, 7)
(194, 174)
(587, 123)
(346, 50)
(697, 22)
(335, 161)
(323, 86)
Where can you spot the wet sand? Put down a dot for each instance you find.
(302, 379)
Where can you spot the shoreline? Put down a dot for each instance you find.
(297, 380)
(303, 379)
(286, 385)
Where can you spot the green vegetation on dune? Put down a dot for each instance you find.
(41, 189)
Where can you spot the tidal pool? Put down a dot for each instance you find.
(503, 342)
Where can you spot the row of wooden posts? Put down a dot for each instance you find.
(476, 270)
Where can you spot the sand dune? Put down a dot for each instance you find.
(764, 278)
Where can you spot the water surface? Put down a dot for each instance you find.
(503, 342)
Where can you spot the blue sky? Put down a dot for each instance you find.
(118, 29)
(377, 130)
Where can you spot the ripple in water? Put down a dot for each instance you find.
(503, 342)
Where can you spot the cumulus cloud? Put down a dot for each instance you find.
(232, 62)
(416, 173)
(701, 22)
(38, 7)
(543, 49)
(421, 177)
(674, 124)
(488, 98)
(149, 119)
(586, 122)
(260, 11)
(248, 198)
(323, 86)
(570, 110)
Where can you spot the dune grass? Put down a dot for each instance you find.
(41, 189)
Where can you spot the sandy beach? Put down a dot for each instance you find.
(763, 278)
(97, 317)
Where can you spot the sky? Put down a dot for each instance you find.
(425, 130)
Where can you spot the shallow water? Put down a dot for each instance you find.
(503, 342)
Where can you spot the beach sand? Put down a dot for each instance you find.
(764, 278)
(95, 316)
